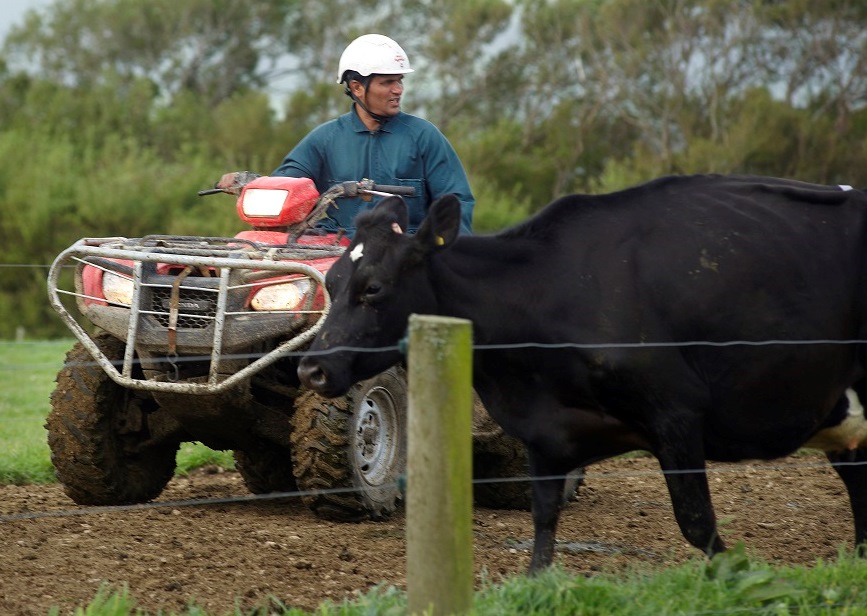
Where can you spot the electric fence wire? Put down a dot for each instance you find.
(729, 468)
(402, 347)
(752, 466)
(280, 495)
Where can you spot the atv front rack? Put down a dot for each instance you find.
(189, 301)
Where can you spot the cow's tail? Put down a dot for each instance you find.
(810, 193)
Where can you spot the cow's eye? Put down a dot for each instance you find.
(371, 291)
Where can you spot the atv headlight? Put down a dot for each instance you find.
(263, 202)
(117, 289)
(283, 296)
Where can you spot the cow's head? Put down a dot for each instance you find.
(375, 286)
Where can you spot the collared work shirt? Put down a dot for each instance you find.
(405, 151)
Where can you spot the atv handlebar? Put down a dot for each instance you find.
(364, 188)
(353, 189)
(345, 189)
(405, 191)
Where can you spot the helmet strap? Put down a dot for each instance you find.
(380, 119)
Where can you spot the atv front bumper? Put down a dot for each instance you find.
(176, 312)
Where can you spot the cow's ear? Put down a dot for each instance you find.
(442, 224)
(394, 210)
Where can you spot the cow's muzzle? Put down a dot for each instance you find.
(313, 376)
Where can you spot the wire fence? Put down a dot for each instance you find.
(769, 466)
(611, 478)
(729, 468)
(602, 480)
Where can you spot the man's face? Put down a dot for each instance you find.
(383, 94)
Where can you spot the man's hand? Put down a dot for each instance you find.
(233, 182)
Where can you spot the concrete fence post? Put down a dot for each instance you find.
(439, 496)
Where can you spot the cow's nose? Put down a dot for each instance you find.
(312, 375)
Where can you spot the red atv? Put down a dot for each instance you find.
(195, 339)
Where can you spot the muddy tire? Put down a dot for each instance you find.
(501, 470)
(352, 447)
(98, 431)
(266, 469)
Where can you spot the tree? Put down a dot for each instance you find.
(114, 113)
(210, 47)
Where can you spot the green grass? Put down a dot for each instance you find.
(27, 372)
(195, 455)
(730, 584)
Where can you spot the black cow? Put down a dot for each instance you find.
(699, 318)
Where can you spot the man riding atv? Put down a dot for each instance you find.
(193, 338)
(375, 140)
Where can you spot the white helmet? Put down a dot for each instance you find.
(373, 54)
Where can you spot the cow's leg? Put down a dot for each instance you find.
(681, 457)
(852, 468)
(547, 501)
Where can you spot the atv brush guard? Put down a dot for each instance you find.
(184, 296)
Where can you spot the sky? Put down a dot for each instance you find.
(13, 12)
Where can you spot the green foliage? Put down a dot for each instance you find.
(210, 47)
(738, 585)
(749, 584)
(192, 456)
(496, 210)
(27, 373)
(240, 133)
(113, 113)
(106, 603)
(452, 79)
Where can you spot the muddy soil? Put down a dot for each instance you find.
(226, 554)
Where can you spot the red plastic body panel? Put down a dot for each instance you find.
(300, 197)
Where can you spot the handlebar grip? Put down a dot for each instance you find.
(406, 191)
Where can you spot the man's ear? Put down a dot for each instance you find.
(442, 224)
(356, 87)
(394, 209)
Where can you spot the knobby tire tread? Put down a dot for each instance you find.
(266, 469)
(88, 455)
(321, 457)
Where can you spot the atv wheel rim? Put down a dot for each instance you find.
(376, 437)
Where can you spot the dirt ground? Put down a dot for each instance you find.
(222, 555)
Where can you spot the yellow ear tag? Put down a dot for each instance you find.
(440, 241)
